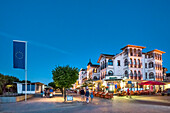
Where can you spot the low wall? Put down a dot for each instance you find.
(14, 99)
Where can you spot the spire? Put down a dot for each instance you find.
(89, 62)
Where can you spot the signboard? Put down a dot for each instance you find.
(129, 82)
(112, 78)
(69, 98)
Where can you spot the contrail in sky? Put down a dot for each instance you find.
(34, 43)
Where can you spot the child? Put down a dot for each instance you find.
(91, 96)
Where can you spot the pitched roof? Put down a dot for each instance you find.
(133, 46)
(156, 50)
(105, 55)
(94, 65)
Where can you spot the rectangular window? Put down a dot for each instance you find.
(146, 75)
(28, 87)
(32, 87)
(145, 65)
(118, 63)
(23, 87)
(37, 87)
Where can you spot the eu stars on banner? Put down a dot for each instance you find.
(19, 54)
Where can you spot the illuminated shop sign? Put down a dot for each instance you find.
(112, 78)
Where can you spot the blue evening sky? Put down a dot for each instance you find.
(61, 32)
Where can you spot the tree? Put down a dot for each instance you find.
(6, 80)
(23, 81)
(64, 77)
(52, 84)
(88, 83)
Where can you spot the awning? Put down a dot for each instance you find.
(152, 83)
(139, 81)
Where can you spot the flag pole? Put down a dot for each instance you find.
(25, 71)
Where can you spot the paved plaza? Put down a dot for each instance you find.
(99, 105)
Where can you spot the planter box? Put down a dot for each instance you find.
(14, 99)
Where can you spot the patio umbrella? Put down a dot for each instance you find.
(151, 83)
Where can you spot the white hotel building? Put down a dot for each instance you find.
(129, 65)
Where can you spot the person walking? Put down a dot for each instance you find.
(91, 96)
(82, 94)
(127, 92)
(87, 95)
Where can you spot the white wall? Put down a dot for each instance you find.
(19, 88)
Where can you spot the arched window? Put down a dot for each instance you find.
(158, 56)
(131, 52)
(126, 52)
(126, 62)
(134, 52)
(105, 64)
(110, 62)
(151, 75)
(150, 64)
(131, 63)
(139, 65)
(131, 73)
(139, 74)
(135, 73)
(135, 62)
(94, 78)
(110, 73)
(139, 53)
(101, 65)
(126, 73)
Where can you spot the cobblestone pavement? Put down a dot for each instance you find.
(99, 105)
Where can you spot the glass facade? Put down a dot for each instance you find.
(30, 87)
(23, 87)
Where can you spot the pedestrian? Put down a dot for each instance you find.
(82, 94)
(91, 96)
(127, 92)
(78, 92)
(87, 95)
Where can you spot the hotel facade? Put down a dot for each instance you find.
(114, 71)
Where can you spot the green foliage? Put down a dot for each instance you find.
(9, 86)
(23, 81)
(6, 80)
(65, 76)
(88, 83)
(52, 84)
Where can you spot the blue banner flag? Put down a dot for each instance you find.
(19, 54)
